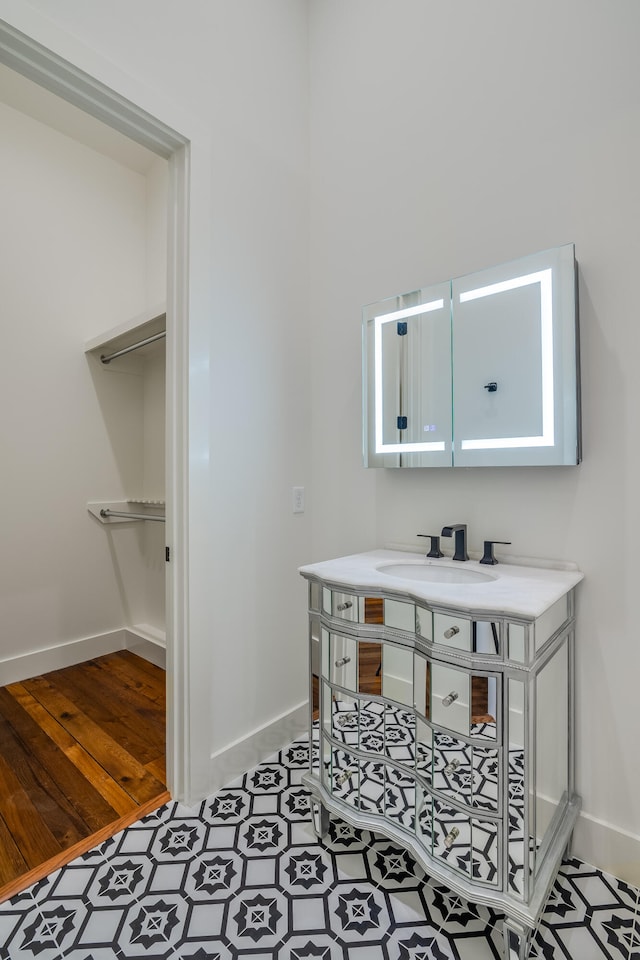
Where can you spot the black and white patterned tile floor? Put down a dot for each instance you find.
(243, 876)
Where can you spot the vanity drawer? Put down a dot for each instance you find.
(451, 631)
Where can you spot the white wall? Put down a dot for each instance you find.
(73, 262)
(450, 137)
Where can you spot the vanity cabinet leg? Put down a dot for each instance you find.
(517, 940)
(319, 819)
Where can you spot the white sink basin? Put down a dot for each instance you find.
(433, 573)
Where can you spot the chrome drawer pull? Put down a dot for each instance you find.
(343, 777)
(451, 632)
(449, 699)
(450, 838)
(344, 606)
(452, 767)
(341, 662)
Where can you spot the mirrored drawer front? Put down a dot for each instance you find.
(374, 787)
(474, 636)
(468, 773)
(452, 631)
(342, 605)
(467, 844)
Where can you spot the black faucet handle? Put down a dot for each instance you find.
(487, 556)
(434, 550)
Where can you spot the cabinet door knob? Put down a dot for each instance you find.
(449, 699)
(344, 606)
(343, 777)
(452, 767)
(341, 662)
(450, 838)
(451, 632)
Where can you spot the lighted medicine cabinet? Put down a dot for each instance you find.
(482, 370)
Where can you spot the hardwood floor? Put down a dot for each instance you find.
(82, 754)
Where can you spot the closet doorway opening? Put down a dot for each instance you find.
(99, 233)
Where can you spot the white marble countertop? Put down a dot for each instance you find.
(523, 591)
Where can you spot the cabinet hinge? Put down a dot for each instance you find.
(402, 423)
(167, 554)
(402, 328)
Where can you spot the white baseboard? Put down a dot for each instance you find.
(16, 669)
(148, 643)
(607, 847)
(238, 757)
(37, 662)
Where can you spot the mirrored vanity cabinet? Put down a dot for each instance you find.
(441, 717)
(482, 370)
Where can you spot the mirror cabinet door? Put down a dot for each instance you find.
(452, 767)
(345, 777)
(515, 363)
(485, 860)
(407, 379)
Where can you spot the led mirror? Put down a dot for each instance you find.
(479, 371)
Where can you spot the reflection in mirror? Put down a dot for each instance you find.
(343, 664)
(424, 624)
(450, 705)
(400, 614)
(345, 777)
(518, 853)
(325, 653)
(424, 818)
(315, 595)
(486, 778)
(552, 751)
(326, 763)
(484, 851)
(485, 636)
(452, 767)
(369, 667)
(452, 837)
(372, 726)
(327, 706)
(345, 726)
(483, 707)
(315, 634)
(397, 674)
(424, 750)
(371, 610)
(422, 685)
(400, 795)
(400, 735)
(372, 786)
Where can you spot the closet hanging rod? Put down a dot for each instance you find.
(134, 346)
(131, 516)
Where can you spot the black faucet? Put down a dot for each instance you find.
(460, 530)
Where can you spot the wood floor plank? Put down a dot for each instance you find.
(31, 835)
(111, 713)
(146, 678)
(47, 798)
(76, 794)
(12, 863)
(158, 768)
(116, 797)
(124, 768)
